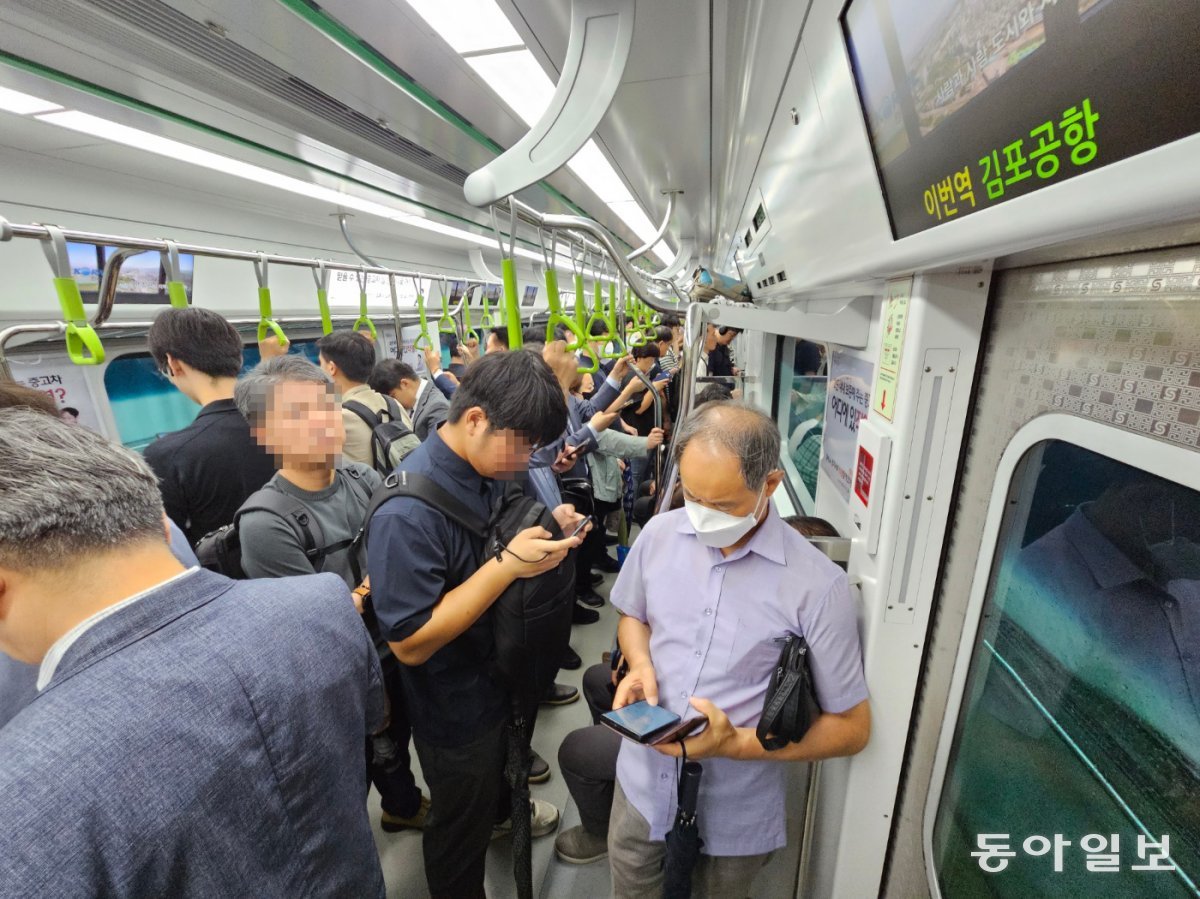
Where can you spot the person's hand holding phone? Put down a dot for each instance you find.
(719, 739)
(566, 459)
(531, 552)
(640, 683)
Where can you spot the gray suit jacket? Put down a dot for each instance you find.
(430, 411)
(205, 741)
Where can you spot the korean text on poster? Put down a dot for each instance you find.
(847, 402)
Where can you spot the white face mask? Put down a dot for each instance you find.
(720, 529)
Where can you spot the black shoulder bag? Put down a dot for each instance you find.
(791, 705)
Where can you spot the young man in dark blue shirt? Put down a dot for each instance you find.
(433, 586)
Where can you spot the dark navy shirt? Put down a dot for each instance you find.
(417, 555)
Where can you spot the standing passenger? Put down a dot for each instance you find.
(206, 470)
(349, 358)
(196, 727)
(423, 402)
(705, 595)
(289, 404)
(433, 584)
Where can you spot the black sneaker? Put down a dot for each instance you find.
(592, 599)
(595, 578)
(584, 615)
(609, 564)
(560, 694)
(571, 660)
(539, 771)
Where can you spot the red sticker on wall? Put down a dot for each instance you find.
(863, 470)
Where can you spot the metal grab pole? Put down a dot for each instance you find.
(658, 420)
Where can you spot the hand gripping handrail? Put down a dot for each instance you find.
(364, 319)
(597, 49)
(266, 320)
(80, 334)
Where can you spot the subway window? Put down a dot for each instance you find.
(800, 405)
(1075, 767)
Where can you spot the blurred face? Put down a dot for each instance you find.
(587, 384)
(645, 364)
(493, 344)
(405, 393)
(727, 339)
(303, 425)
(494, 453)
(710, 339)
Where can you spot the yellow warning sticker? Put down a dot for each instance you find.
(887, 377)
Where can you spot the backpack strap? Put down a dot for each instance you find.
(420, 487)
(296, 514)
(372, 420)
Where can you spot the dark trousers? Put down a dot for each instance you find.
(393, 777)
(593, 547)
(588, 756)
(467, 795)
(588, 760)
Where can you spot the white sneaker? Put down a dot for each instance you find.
(544, 820)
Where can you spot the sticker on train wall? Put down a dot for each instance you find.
(895, 315)
(847, 402)
(65, 383)
(864, 470)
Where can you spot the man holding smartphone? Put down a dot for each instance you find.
(706, 596)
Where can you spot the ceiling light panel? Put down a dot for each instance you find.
(518, 80)
(598, 174)
(468, 25)
(24, 104)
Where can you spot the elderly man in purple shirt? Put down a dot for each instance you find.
(706, 596)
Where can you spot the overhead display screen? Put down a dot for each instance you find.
(970, 103)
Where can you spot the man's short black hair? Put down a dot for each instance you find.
(728, 329)
(670, 320)
(646, 351)
(533, 334)
(197, 337)
(501, 335)
(517, 391)
(713, 392)
(351, 352)
(598, 328)
(662, 334)
(387, 375)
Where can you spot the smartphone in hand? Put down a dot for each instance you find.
(649, 724)
(579, 528)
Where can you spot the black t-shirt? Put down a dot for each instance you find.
(206, 470)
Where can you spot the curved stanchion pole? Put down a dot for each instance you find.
(266, 319)
(597, 48)
(321, 279)
(84, 346)
(662, 229)
(364, 318)
(176, 289)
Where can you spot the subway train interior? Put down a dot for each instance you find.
(959, 241)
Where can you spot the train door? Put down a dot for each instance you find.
(1056, 750)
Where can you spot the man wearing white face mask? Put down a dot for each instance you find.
(707, 595)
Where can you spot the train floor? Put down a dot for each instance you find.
(400, 853)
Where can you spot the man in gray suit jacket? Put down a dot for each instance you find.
(192, 736)
(424, 403)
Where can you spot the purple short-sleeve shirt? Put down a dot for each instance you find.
(715, 623)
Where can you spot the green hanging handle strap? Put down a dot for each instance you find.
(446, 324)
(266, 321)
(597, 315)
(486, 321)
(554, 301)
(619, 348)
(469, 333)
(176, 289)
(364, 319)
(80, 334)
(423, 341)
(321, 278)
(512, 309)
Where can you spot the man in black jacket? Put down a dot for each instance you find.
(206, 470)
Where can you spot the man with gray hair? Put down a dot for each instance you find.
(194, 758)
(707, 595)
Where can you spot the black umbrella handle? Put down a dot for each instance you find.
(689, 787)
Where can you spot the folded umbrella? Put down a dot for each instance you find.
(683, 842)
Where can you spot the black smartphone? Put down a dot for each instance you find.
(648, 724)
(579, 528)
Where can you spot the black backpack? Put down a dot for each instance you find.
(221, 550)
(531, 620)
(391, 438)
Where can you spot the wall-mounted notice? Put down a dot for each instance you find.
(972, 103)
(847, 402)
(895, 315)
(65, 382)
